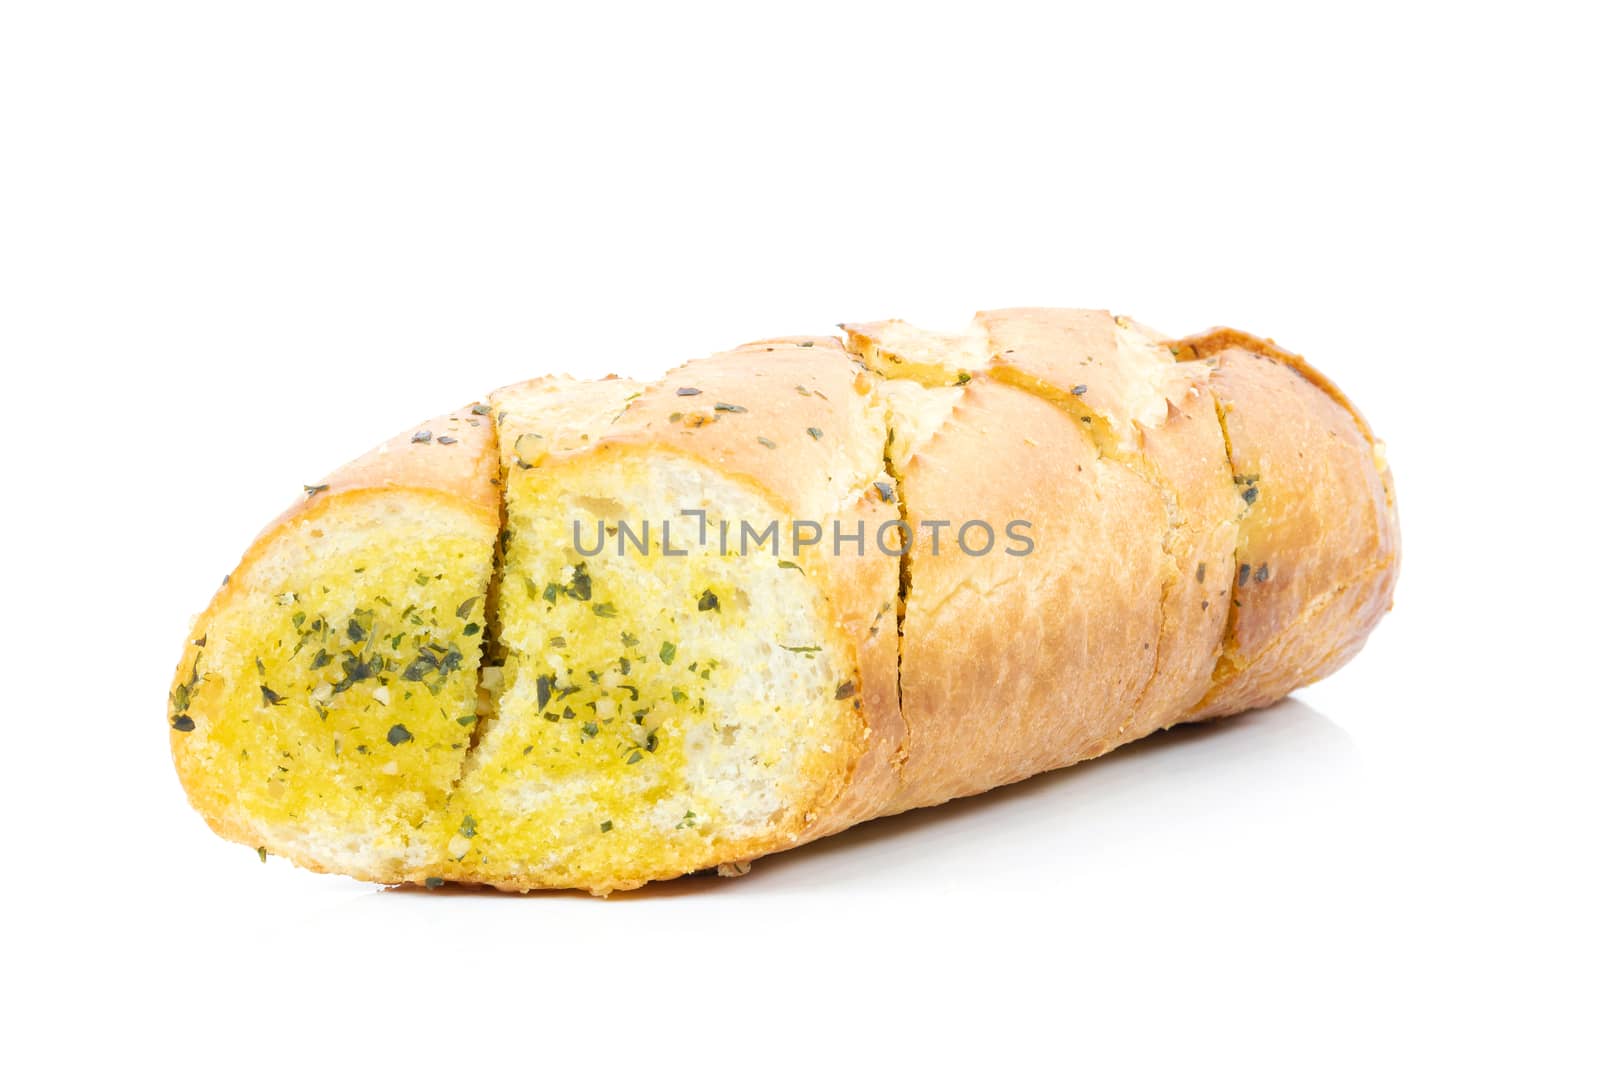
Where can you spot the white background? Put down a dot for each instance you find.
(241, 243)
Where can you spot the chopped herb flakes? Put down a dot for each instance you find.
(766, 443)
(1079, 390)
(422, 437)
(669, 652)
(181, 695)
(399, 735)
(480, 409)
(182, 723)
(709, 602)
(734, 409)
(885, 491)
(313, 490)
(605, 827)
(685, 390)
(469, 826)
(443, 440)
(433, 883)
(581, 587)
(815, 432)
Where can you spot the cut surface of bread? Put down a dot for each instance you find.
(657, 710)
(596, 633)
(326, 699)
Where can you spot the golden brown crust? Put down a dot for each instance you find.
(1012, 663)
(1154, 416)
(452, 455)
(1157, 417)
(1203, 346)
(1318, 550)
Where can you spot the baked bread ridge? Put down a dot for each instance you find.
(297, 634)
(1149, 468)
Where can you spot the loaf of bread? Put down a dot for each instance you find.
(593, 633)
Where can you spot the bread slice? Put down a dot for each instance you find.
(675, 695)
(325, 700)
(1050, 624)
(1318, 550)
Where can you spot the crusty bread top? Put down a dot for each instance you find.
(557, 414)
(792, 415)
(450, 458)
(451, 455)
(1091, 359)
(1209, 343)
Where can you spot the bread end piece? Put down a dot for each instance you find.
(1318, 551)
(325, 699)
